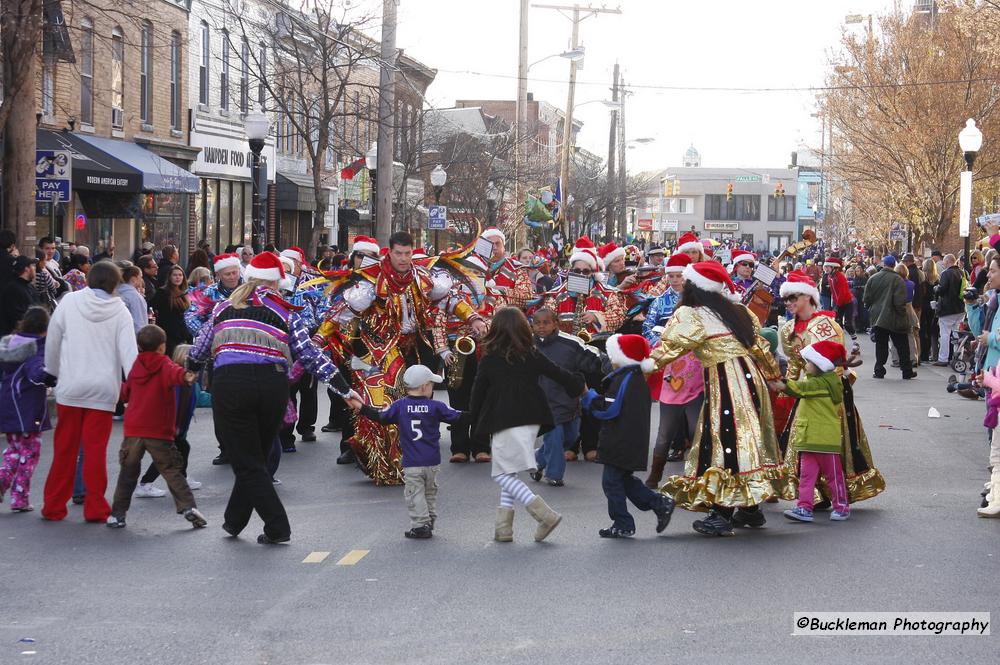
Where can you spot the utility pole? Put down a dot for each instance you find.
(386, 117)
(609, 212)
(521, 126)
(568, 121)
(622, 203)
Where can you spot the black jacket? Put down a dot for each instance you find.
(171, 320)
(163, 271)
(17, 296)
(949, 292)
(623, 409)
(506, 395)
(570, 353)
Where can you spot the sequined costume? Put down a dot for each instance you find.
(863, 478)
(608, 305)
(508, 283)
(376, 319)
(734, 460)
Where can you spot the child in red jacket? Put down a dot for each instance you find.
(150, 425)
(842, 298)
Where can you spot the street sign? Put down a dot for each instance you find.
(437, 218)
(53, 170)
(747, 178)
(897, 235)
(667, 225)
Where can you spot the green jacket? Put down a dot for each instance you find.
(885, 297)
(817, 426)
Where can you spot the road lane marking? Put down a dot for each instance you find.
(353, 557)
(316, 557)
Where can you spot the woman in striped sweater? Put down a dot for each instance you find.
(252, 340)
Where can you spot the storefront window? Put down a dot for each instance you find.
(236, 235)
(211, 209)
(199, 210)
(225, 212)
(248, 213)
(165, 220)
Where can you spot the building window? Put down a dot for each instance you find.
(117, 79)
(87, 72)
(175, 81)
(781, 209)
(678, 206)
(262, 66)
(743, 207)
(244, 76)
(146, 74)
(206, 54)
(224, 75)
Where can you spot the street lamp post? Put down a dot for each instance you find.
(970, 140)
(438, 179)
(257, 127)
(492, 200)
(371, 163)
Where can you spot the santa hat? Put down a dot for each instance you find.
(583, 250)
(223, 261)
(267, 267)
(799, 283)
(711, 276)
(384, 251)
(834, 262)
(677, 262)
(610, 252)
(294, 253)
(688, 242)
(365, 244)
(741, 255)
(628, 350)
(826, 354)
(492, 232)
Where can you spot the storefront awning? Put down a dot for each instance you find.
(158, 175)
(295, 191)
(92, 169)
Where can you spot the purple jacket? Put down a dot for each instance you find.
(23, 402)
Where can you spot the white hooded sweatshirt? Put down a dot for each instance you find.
(91, 343)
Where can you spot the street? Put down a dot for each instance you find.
(161, 592)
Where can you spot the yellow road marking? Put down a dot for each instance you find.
(316, 557)
(353, 557)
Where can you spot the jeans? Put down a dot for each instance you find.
(78, 489)
(551, 457)
(619, 485)
(947, 324)
(900, 341)
(420, 490)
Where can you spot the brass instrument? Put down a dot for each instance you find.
(579, 327)
(465, 346)
(585, 336)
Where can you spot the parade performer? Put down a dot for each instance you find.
(252, 340)
(203, 300)
(595, 308)
(689, 244)
(508, 282)
(664, 305)
(843, 300)
(742, 269)
(389, 312)
(734, 459)
(807, 326)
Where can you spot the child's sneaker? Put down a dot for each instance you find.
(149, 491)
(420, 532)
(799, 514)
(614, 532)
(27, 508)
(552, 482)
(837, 516)
(194, 516)
(115, 522)
(536, 475)
(663, 513)
(193, 484)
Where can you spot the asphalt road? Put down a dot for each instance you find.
(161, 592)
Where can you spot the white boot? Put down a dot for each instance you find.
(993, 498)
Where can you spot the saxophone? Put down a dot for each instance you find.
(579, 328)
(465, 346)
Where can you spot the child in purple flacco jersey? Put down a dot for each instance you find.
(418, 419)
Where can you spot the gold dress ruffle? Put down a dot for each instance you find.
(734, 460)
(864, 480)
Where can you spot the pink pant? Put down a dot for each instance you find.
(811, 467)
(19, 461)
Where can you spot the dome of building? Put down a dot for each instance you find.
(692, 157)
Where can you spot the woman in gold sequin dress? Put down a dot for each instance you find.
(734, 462)
(807, 326)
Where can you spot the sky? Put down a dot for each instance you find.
(658, 44)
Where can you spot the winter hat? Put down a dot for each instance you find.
(492, 232)
(889, 261)
(655, 250)
(826, 354)
(267, 267)
(711, 276)
(223, 261)
(677, 262)
(583, 250)
(629, 350)
(294, 253)
(365, 244)
(741, 255)
(799, 283)
(610, 252)
(689, 241)
(834, 262)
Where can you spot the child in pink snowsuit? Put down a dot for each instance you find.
(24, 412)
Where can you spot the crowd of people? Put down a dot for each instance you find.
(546, 356)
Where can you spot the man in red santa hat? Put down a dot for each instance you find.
(742, 268)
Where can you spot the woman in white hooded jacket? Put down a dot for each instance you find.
(90, 346)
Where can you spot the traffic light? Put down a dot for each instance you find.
(729, 192)
(779, 191)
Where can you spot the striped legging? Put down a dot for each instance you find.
(512, 489)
